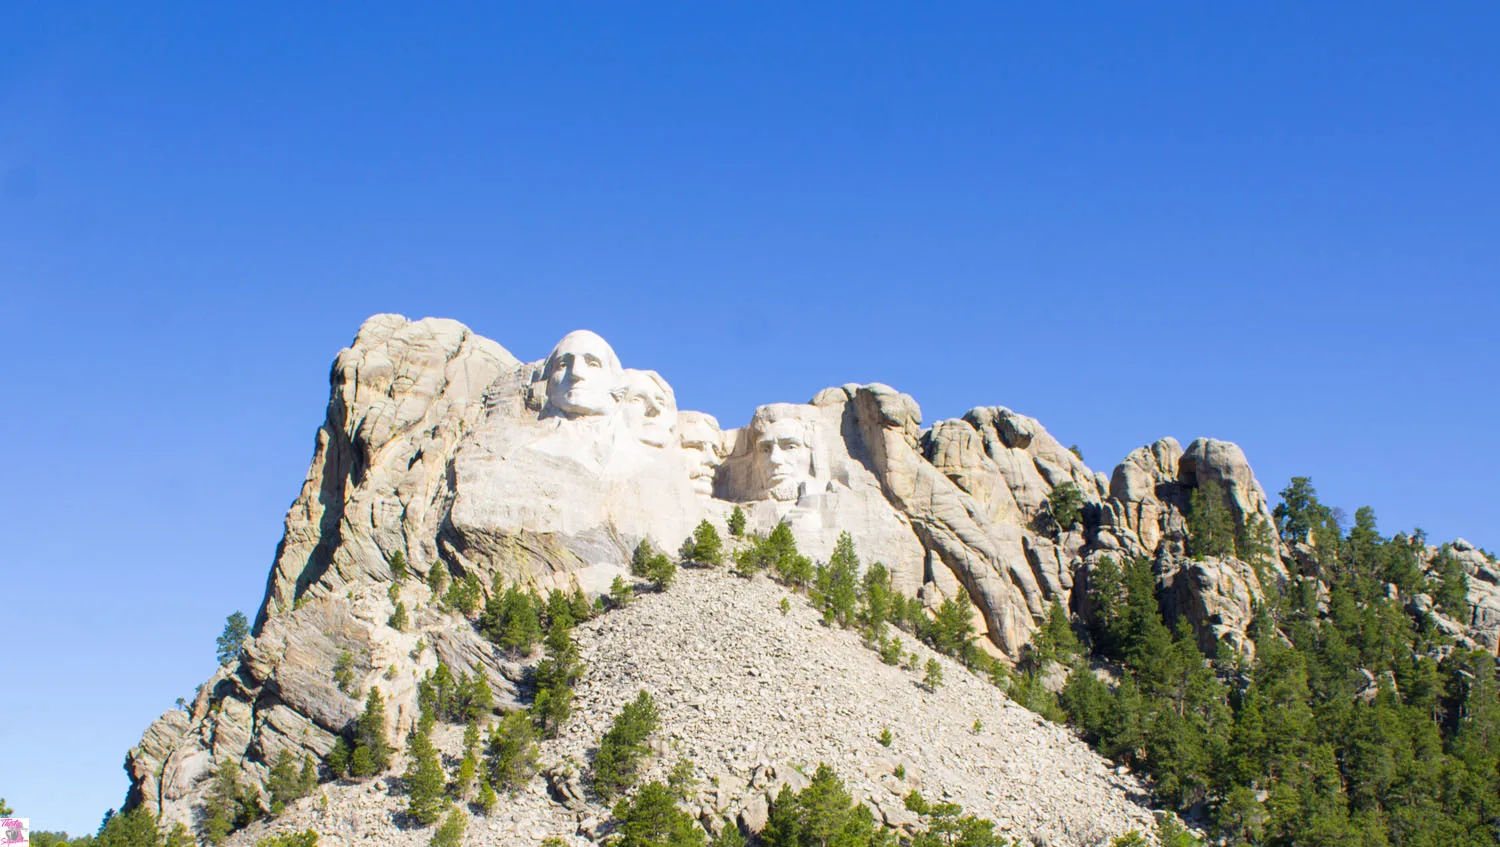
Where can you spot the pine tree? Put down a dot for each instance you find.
(579, 603)
(343, 672)
(556, 674)
(236, 630)
(487, 799)
(952, 626)
(737, 522)
(1055, 641)
(451, 833)
(1451, 589)
(226, 806)
(654, 566)
(308, 779)
(651, 819)
(398, 619)
(135, 828)
(620, 593)
(513, 751)
(424, 779)
(512, 619)
(437, 579)
(837, 583)
(1065, 505)
(285, 784)
(464, 595)
(371, 751)
(398, 566)
(932, 676)
(624, 745)
(468, 768)
(1211, 529)
(823, 813)
(708, 548)
(640, 560)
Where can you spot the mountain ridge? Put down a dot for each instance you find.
(441, 447)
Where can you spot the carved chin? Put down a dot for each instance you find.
(785, 490)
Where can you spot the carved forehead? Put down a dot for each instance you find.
(580, 342)
(780, 420)
(649, 385)
(698, 429)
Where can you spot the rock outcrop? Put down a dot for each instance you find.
(444, 448)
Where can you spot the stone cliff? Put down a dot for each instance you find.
(441, 446)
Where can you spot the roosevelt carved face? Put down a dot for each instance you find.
(783, 455)
(583, 376)
(703, 448)
(650, 408)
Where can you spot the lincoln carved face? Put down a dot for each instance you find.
(783, 451)
(650, 408)
(583, 376)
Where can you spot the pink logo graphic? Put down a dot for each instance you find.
(14, 832)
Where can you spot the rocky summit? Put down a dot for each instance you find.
(446, 460)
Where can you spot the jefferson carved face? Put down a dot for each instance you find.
(783, 455)
(583, 376)
(703, 447)
(650, 408)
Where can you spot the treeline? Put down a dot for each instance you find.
(1357, 722)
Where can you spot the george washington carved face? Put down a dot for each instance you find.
(583, 376)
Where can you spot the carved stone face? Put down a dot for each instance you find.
(783, 456)
(650, 408)
(703, 447)
(583, 376)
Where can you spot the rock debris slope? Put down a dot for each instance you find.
(756, 699)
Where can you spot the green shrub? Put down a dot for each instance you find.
(1065, 506)
(451, 833)
(305, 838)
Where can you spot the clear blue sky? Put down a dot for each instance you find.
(1271, 223)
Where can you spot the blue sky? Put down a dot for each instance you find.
(1270, 223)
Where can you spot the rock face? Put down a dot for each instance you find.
(1478, 626)
(443, 447)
